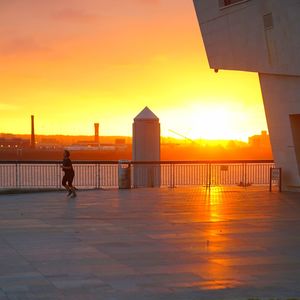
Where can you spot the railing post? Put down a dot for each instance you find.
(97, 176)
(172, 175)
(270, 182)
(58, 176)
(208, 180)
(280, 180)
(245, 174)
(17, 175)
(130, 173)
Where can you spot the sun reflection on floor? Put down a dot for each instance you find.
(216, 272)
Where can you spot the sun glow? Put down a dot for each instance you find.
(214, 123)
(214, 119)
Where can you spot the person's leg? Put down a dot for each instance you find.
(72, 188)
(64, 183)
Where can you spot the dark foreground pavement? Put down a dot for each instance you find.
(150, 244)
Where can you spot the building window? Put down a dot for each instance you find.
(268, 21)
(224, 3)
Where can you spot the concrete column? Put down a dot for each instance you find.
(146, 147)
(281, 96)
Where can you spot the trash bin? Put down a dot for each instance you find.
(124, 174)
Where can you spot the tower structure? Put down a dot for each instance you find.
(32, 138)
(262, 36)
(146, 147)
(96, 126)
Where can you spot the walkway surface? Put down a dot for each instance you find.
(150, 244)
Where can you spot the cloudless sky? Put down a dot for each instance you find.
(72, 63)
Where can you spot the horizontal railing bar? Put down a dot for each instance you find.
(161, 162)
(203, 162)
(50, 162)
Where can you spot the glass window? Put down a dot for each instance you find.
(224, 3)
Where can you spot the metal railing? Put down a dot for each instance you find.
(104, 174)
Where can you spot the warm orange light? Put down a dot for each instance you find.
(78, 68)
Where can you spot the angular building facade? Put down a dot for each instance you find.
(262, 36)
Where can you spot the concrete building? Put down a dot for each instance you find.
(146, 147)
(260, 140)
(13, 143)
(262, 36)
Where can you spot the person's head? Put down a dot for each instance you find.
(66, 154)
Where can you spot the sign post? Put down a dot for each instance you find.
(275, 177)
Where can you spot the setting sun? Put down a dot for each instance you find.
(215, 123)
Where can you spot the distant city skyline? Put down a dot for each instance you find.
(90, 137)
(74, 63)
(47, 147)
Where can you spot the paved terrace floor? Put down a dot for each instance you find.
(150, 244)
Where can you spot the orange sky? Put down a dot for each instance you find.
(72, 63)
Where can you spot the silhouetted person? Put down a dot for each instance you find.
(69, 174)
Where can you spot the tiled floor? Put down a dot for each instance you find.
(151, 244)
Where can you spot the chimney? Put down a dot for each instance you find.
(32, 141)
(96, 125)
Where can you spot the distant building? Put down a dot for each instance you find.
(92, 146)
(83, 145)
(260, 141)
(120, 141)
(146, 136)
(262, 36)
(146, 147)
(12, 143)
(48, 140)
(49, 144)
(7, 135)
